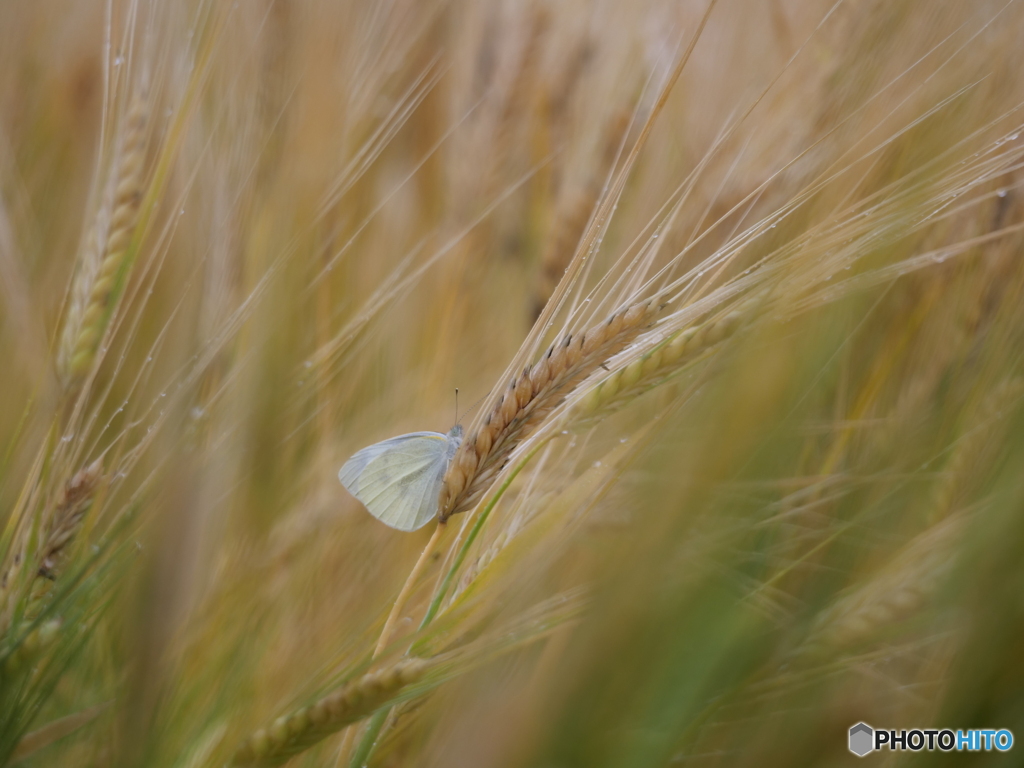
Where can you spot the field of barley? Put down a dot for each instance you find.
(732, 294)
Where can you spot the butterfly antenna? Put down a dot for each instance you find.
(456, 405)
(474, 405)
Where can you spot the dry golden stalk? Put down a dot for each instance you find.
(403, 596)
(561, 244)
(541, 387)
(523, 87)
(86, 326)
(294, 733)
(571, 222)
(529, 398)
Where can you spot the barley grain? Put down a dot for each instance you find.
(893, 593)
(530, 397)
(84, 328)
(59, 530)
(643, 372)
(291, 734)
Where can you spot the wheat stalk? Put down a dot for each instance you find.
(296, 732)
(91, 301)
(531, 396)
(896, 591)
(76, 499)
(973, 448)
(646, 369)
(542, 386)
(60, 528)
(574, 215)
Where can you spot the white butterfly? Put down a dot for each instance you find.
(399, 479)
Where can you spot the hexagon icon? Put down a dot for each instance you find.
(862, 738)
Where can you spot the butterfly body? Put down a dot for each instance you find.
(398, 480)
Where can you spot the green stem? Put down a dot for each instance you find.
(435, 604)
(369, 738)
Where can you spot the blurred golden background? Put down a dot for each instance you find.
(241, 241)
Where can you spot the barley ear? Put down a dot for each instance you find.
(528, 399)
(897, 591)
(61, 529)
(296, 732)
(640, 374)
(85, 333)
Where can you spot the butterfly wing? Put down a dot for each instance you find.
(398, 480)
